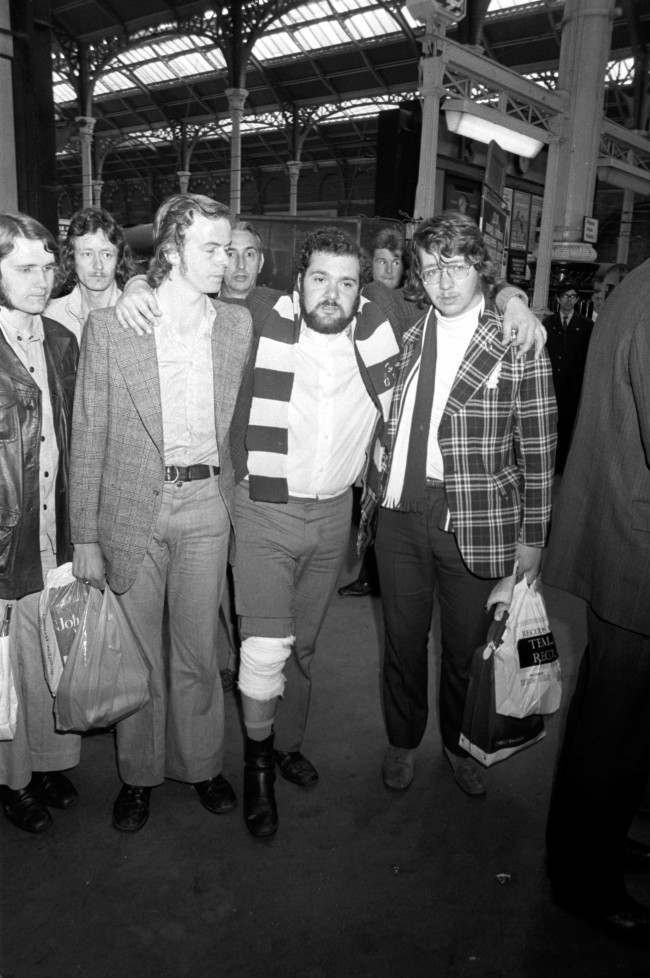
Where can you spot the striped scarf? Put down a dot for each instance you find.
(267, 437)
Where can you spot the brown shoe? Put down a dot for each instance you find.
(467, 774)
(398, 767)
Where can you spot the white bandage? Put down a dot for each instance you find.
(260, 666)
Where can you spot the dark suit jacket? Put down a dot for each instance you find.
(117, 455)
(599, 547)
(567, 350)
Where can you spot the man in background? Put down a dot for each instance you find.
(567, 344)
(96, 262)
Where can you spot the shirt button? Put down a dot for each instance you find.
(42, 437)
(44, 505)
(46, 474)
(31, 370)
(19, 338)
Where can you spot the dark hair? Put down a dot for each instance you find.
(170, 226)
(388, 238)
(89, 221)
(449, 234)
(14, 226)
(565, 286)
(331, 241)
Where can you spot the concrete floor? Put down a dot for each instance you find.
(358, 881)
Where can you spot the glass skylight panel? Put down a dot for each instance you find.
(372, 24)
(325, 35)
(620, 72)
(179, 45)
(307, 11)
(280, 45)
(190, 64)
(137, 55)
(410, 19)
(111, 82)
(507, 4)
(63, 92)
(154, 74)
(351, 6)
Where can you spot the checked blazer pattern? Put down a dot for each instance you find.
(117, 454)
(497, 438)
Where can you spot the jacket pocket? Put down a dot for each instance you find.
(8, 417)
(8, 522)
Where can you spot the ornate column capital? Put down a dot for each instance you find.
(236, 99)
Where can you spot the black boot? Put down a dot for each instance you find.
(260, 811)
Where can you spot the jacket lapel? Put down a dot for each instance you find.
(136, 358)
(484, 352)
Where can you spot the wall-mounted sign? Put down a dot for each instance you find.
(590, 230)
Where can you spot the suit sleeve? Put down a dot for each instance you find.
(535, 441)
(89, 431)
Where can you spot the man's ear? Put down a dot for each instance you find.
(261, 264)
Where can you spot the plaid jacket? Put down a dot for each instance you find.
(497, 438)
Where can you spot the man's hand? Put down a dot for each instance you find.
(522, 326)
(88, 564)
(529, 560)
(137, 308)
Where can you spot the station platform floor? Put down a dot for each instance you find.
(358, 881)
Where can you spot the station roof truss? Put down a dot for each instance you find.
(318, 74)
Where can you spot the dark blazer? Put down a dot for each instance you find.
(117, 456)
(599, 546)
(567, 350)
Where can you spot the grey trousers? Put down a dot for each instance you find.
(287, 561)
(179, 733)
(37, 746)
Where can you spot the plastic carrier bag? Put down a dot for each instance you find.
(527, 678)
(105, 678)
(8, 697)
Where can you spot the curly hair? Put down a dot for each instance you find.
(449, 234)
(17, 225)
(331, 241)
(89, 220)
(173, 219)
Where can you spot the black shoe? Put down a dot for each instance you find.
(216, 795)
(131, 808)
(53, 789)
(637, 856)
(357, 589)
(25, 810)
(296, 768)
(260, 809)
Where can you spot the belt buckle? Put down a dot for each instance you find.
(175, 478)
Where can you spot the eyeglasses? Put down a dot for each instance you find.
(456, 273)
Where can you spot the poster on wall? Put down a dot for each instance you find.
(520, 221)
(535, 223)
(493, 226)
(462, 195)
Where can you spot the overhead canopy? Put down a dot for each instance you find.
(164, 75)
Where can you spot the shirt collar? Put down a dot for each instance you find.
(33, 331)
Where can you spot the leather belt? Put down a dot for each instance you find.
(433, 483)
(189, 473)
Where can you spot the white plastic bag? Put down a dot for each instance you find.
(8, 697)
(527, 678)
(60, 610)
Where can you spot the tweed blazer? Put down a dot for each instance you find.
(497, 438)
(599, 548)
(117, 453)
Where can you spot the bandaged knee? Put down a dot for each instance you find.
(261, 665)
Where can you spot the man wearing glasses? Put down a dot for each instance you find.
(567, 345)
(463, 477)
